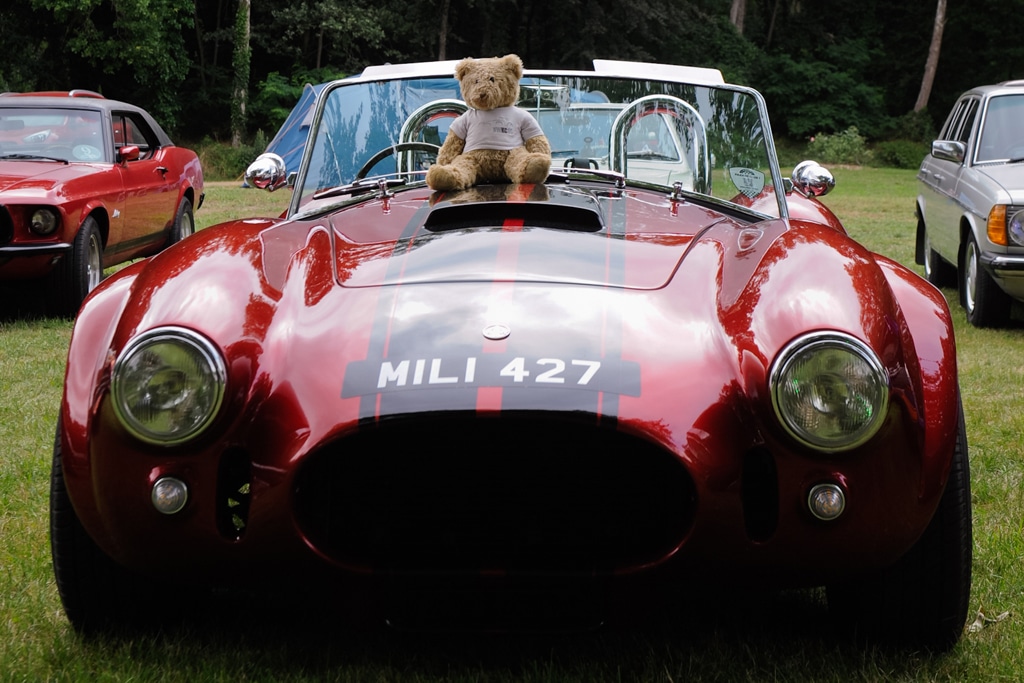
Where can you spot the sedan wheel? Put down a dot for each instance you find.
(985, 303)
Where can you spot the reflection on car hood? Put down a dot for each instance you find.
(40, 175)
(550, 235)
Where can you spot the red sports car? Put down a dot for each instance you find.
(665, 369)
(87, 183)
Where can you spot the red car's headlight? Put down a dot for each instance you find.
(44, 221)
(830, 391)
(167, 385)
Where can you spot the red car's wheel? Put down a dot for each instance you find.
(79, 272)
(184, 223)
(97, 594)
(922, 600)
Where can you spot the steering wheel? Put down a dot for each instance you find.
(394, 150)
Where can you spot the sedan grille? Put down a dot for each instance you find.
(494, 494)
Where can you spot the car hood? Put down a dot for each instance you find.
(1009, 177)
(555, 236)
(39, 175)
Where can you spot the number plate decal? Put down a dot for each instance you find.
(491, 370)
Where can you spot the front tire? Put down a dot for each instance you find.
(984, 302)
(80, 271)
(922, 600)
(98, 595)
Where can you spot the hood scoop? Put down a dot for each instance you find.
(529, 206)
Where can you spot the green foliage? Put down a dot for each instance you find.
(811, 96)
(847, 147)
(277, 95)
(137, 41)
(914, 125)
(900, 153)
(222, 161)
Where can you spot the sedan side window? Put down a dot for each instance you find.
(970, 112)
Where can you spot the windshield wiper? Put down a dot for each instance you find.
(1015, 160)
(33, 157)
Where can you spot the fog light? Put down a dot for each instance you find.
(169, 495)
(826, 501)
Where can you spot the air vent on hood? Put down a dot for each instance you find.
(553, 215)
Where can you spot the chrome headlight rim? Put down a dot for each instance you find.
(811, 343)
(216, 369)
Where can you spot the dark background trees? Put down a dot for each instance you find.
(823, 67)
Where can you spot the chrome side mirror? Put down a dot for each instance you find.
(267, 172)
(812, 180)
(950, 150)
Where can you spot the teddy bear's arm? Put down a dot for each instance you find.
(452, 147)
(537, 144)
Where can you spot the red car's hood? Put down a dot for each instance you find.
(39, 175)
(565, 236)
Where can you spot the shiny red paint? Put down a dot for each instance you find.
(688, 304)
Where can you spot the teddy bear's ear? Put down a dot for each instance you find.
(514, 63)
(463, 67)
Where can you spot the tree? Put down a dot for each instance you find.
(240, 65)
(738, 14)
(931, 64)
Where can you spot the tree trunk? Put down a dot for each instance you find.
(771, 25)
(737, 14)
(240, 66)
(442, 40)
(933, 57)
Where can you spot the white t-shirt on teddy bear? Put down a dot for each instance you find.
(501, 128)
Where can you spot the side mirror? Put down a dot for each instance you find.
(128, 153)
(267, 172)
(950, 150)
(812, 180)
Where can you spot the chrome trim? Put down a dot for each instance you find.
(211, 354)
(807, 342)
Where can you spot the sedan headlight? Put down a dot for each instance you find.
(829, 390)
(168, 385)
(1005, 225)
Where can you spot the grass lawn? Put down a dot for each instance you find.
(777, 637)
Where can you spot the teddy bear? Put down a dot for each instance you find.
(493, 141)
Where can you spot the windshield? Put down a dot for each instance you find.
(708, 140)
(69, 134)
(1002, 136)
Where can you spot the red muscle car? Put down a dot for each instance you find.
(87, 183)
(654, 370)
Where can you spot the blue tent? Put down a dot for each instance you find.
(291, 137)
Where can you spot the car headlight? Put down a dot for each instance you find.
(167, 385)
(1015, 226)
(1005, 225)
(44, 221)
(829, 390)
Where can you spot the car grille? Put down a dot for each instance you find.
(513, 494)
